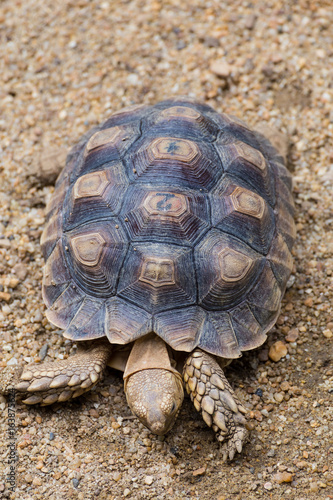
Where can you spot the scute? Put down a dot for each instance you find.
(179, 162)
(170, 218)
(243, 213)
(158, 277)
(226, 268)
(94, 250)
(168, 215)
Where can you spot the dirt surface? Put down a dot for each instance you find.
(66, 66)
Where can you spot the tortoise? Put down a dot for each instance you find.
(167, 252)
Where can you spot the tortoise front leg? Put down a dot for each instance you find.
(58, 381)
(212, 394)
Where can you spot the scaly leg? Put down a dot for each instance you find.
(58, 381)
(212, 394)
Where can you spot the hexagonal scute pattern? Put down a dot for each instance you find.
(170, 218)
(158, 277)
(107, 146)
(185, 122)
(162, 214)
(243, 213)
(180, 162)
(96, 251)
(250, 166)
(226, 269)
(97, 194)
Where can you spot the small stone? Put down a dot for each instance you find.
(327, 333)
(199, 472)
(5, 243)
(5, 295)
(12, 361)
(283, 477)
(51, 436)
(127, 492)
(221, 68)
(115, 425)
(301, 464)
(277, 351)
(149, 480)
(21, 271)
(37, 481)
(75, 482)
(268, 486)
(250, 21)
(279, 396)
(43, 351)
(93, 413)
(271, 453)
(116, 476)
(314, 487)
(292, 335)
(285, 386)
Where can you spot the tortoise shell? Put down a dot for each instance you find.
(170, 218)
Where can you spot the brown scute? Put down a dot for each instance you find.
(170, 218)
(265, 299)
(281, 260)
(285, 222)
(66, 306)
(248, 164)
(51, 234)
(247, 329)
(89, 321)
(165, 214)
(158, 277)
(218, 336)
(243, 213)
(175, 161)
(57, 275)
(180, 328)
(95, 250)
(226, 270)
(126, 322)
(96, 194)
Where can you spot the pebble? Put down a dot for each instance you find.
(277, 351)
(279, 396)
(292, 335)
(43, 351)
(268, 486)
(282, 477)
(328, 333)
(221, 68)
(20, 270)
(75, 482)
(199, 472)
(5, 296)
(149, 480)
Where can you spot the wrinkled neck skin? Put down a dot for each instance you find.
(155, 396)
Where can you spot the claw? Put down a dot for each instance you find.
(239, 446)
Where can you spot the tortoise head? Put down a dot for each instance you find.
(155, 397)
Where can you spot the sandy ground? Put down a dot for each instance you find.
(65, 66)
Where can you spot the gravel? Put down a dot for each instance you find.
(65, 66)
